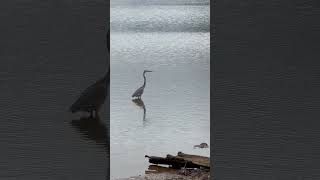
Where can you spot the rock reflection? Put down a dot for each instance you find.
(159, 169)
(139, 102)
(92, 129)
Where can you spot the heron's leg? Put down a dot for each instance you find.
(91, 114)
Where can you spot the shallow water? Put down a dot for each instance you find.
(176, 97)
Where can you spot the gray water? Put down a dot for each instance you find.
(173, 42)
(266, 99)
(50, 52)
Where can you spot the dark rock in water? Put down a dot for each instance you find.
(202, 145)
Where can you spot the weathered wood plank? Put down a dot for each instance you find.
(199, 160)
(181, 160)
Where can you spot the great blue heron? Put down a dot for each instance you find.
(139, 91)
(94, 96)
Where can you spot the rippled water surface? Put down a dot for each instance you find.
(266, 100)
(173, 42)
(50, 52)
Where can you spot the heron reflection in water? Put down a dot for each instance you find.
(92, 129)
(92, 98)
(139, 102)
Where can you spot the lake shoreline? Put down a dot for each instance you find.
(169, 176)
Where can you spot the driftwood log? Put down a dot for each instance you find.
(181, 160)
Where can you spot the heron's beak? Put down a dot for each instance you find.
(148, 71)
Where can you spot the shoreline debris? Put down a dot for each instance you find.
(182, 160)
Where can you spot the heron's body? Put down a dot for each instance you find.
(92, 98)
(138, 93)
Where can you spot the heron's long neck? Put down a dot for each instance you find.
(144, 77)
